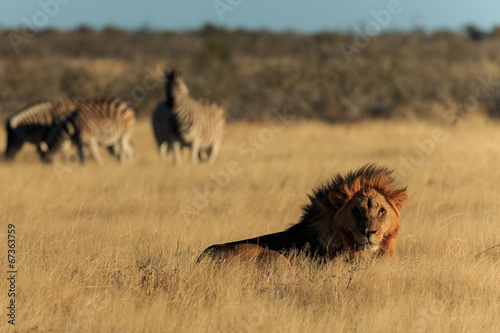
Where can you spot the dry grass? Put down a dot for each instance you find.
(113, 249)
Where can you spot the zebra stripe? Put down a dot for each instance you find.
(32, 123)
(106, 121)
(199, 125)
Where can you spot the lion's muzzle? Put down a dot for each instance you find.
(368, 247)
(366, 240)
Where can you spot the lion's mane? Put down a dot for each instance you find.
(321, 213)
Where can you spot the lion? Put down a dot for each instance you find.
(252, 254)
(356, 214)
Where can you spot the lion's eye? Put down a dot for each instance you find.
(381, 211)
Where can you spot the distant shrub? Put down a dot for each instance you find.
(84, 29)
(250, 73)
(211, 29)
(77, 83)
(496, 32)
(475, 33)
(493, 107)
(212, 51)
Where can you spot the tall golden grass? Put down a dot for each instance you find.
(114, 248)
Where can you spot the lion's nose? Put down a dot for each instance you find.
(368, 233)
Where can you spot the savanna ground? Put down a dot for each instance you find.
(114, 248)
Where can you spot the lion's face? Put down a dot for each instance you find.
(368, 219)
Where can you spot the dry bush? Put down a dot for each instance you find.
(249, 72)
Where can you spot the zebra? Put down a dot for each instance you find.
(33, 122)
(180, 121)
(106, 121)
(165, 129)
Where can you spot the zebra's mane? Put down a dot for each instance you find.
(30, 110)
(169, 98)
(174, 81)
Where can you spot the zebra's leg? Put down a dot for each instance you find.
(208, 152)
(195, 150)
(121, 151)
(111, 150)
(126, 148)
(79, 148)
(176, 145)
(203, 155)
(131, 151)
(94, 150)
(115, 150)
(214, 152)
(163, 149)
(68, 150)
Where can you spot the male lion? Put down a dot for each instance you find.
(357, 214)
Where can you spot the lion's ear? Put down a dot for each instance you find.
(400, 199)
(336, 199)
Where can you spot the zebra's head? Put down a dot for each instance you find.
(62, 131)
(175, 84)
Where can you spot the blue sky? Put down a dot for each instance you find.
(277, 15)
